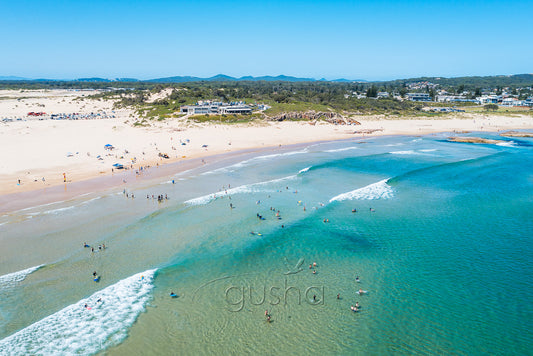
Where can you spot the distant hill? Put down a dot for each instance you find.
(10, 77)
(226, 78)
(491, 81)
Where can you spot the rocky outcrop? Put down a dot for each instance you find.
(516, 134)
(474, 140)
(311, 115)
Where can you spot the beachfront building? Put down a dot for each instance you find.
(489, 99)
(216, 107)
(454, 99)
(418, 97)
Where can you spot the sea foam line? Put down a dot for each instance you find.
(79, 330)
(342, 149)
(248, 188)
(378, 190)
(11, 279)
(253, 160)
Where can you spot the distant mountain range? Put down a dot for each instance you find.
(524, 80)
(184, 79)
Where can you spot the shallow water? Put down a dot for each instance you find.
(441, 242)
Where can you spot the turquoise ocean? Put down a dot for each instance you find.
(437, 235)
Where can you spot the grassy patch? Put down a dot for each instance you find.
(225, 119)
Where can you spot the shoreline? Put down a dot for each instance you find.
(35, 154)
(16, 201)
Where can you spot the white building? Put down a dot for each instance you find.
(418, 96)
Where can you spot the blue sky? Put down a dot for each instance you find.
(372, 40)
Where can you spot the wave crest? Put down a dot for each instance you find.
(248, 188)
(378, 190)
(79, 330)
(9, 280)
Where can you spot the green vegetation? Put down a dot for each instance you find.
(492, 107)
(158, 101)
(225, 119)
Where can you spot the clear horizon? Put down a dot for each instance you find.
(367, 40)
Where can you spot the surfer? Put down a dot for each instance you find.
(173, 295)
(354, 210)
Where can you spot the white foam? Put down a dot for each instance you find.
(429, 150)
(342, 149)
(11, 279)
(248, 188)
(507, 144)
(252, 160)
(77, 330)
(40, 206)
(304, 170)
(409, 152)
(378, 190)
(90, 200)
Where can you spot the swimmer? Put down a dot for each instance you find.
(99, 300)
(310, 266)
(314, 272)
(354, 210)
(357, 304)
(94, 274)
(266, 312)
(314, 264)
(357, 279)
(173, 295)
(338, 296)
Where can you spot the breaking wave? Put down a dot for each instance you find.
(11, 279)
(342, 149)
(80, 330)
(378, 190)
(248, 188)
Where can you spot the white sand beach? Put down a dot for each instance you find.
(38, 152)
